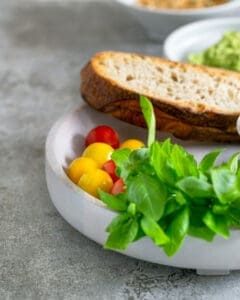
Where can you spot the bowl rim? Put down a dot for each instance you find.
(188, 29)
(188, 12)
(55, 166)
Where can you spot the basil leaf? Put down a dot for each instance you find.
(139, 156)
(171, 207)
(149, 116)
(202, 232)
(217, 223)
(180, 198)
(121, 159)
(197, 228)
(123, 231)
(113, 202)
(159, 159)
(233, 163)
(140, 234)
(167, 147)
(183, 162)
(120, 156)
(121, 218)
(139, 162)
(234, 214)
(174, 203)
(154, 231)
(177, 231)
(132, 209)
(225, 185)
(209, 159)
(148, 194)
(195, 187)
(220, 209)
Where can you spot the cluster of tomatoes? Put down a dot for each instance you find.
(94, 169)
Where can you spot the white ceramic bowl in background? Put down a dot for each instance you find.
(160, 22)
(89, 216)
(197, 36)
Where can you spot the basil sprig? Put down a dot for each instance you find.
(169, 195)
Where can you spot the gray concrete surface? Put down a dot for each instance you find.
(42, 47)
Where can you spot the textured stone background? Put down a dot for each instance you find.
(42, 47)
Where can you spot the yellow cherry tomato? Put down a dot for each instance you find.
(100, 152)
(79, 166)
(132, 144)
(93, 181)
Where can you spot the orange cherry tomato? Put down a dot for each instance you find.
(93, 181)
(132, 144)
(79, 166)
(100, 152)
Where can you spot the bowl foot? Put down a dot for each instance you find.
(203, 272)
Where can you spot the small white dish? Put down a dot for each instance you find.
(160, 22)
(197, 36)
(89, 216)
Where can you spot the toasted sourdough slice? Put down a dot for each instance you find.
(193, 95)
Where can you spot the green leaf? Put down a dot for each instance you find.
(113, 202)
(167, 146)
(149, 116)
(220, 209)
(121, 218)
(177, 231)
(171, 207)
(121, 159)
(139, 155)
(195, 187)
(140, 234)
(234, 214)
(225, 185)
(196, 215)
(233, 163)
(209, 159)
(120, 156)
(132, 209)
(197, 228)
(122, 233)
(174, 203)
(159, 158)
(148, 194)
(217, 223)
(180, 198)
(139, 162)
(154, 231)
(183, 162)
(202, 232)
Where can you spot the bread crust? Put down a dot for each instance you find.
(172, 125)
(103, 93)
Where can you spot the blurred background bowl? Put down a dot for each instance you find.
(197, 36)
(160, 22)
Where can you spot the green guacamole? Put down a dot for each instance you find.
(225, 54)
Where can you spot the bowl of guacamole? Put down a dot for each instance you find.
(223, 54)
(215, 43)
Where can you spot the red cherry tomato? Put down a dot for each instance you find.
(118, 187)
(103, 134)
(110, 168)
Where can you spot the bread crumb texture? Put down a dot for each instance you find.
(175, 82)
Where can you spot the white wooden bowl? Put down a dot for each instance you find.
(89, 216)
